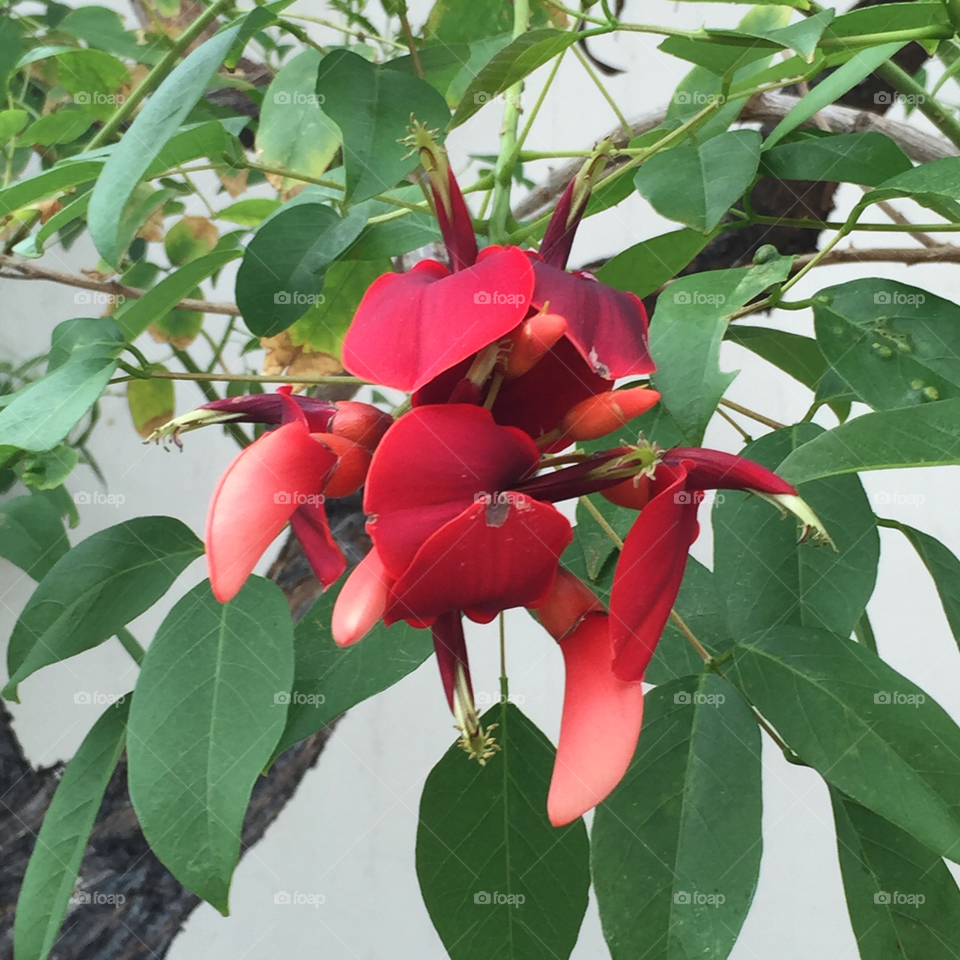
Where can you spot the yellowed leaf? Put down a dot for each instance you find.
(235, 185)
(152, 228)
(284, 357)
(47, 208)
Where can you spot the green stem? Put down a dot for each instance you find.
(156, 74)
(579, 15)
(202, 382)
(504, 687)
(360, 35)
(132, 645)
(503, 171)
(196, 375)
(927, 104)
(592, 74)
(518, 152)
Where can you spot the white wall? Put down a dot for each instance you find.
(349, 832)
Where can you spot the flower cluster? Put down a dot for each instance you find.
(508, 358)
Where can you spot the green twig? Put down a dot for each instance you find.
(132, 645)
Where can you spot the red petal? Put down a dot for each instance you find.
(716, 470)
(491, 557)
(324, 556)
(597, 416)
(600, 724)
(650, 570)
(254, 499)
(362, 600)
(608, 326)
(570, 600)
(450, 646)
(432, 464)
(411, 327)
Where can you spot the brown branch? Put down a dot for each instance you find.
(942, 253)
(30, 271)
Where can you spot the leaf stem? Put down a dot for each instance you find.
(864, 630)
(926, 103)
(132, 645)
(601, 520)
(200, 376)
(753, 415)
(592, 74)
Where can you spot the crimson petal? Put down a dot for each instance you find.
(492, 557)
(608, 326)
(256, 497)
(411, 327)
(650, 570)
(716, 470)
(326, 559)
(600, 725)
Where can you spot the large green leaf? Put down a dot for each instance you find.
(63, 176)
(204, 721)
(868, 158)
(156, 123)
(903, 902)
(96, 588)
(866, 729)
(895, 345)
(768, 578)
(328, 680)
(41, 414)
(926, 436)
(373, 105)
(697, 185)
(675, 849)
(32, 534)
(294, 133)
(285, 264)
(646, 266)
(685, 334)
(499, 882)
(161, 299)
(510, 65)
(793, 354)
(55, 861)
(943, 567)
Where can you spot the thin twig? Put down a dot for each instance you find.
(753, 415)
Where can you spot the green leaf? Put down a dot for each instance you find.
(32, 535)
(675, 849)
(62, 127)
(372, 105)
(329, 680)
(926, 436)
(10, 48)
(154, 126)
(41, 414)
(250, 213)
(151, 404)
(686, 330)
(103, 29)
(935, 185)
(32, 246)
(96, 588)
(11, 123)
(722, 58)
(62, 176)
(47, 470)
(92, 76)
(903, 902)
(136, 315)
(55, 862)
(866, 729)
(484, 835)
(391, 238)
(893, 18)
(844, 78)
(768, 578)
(868, 158)
(942, 566)
(323, 326)
(646, 266)
(801, 37)
(204, 721)
(796, 355)
(520, 57)
(294, 133)
(895, 345)
(285, 264)
(697, 185)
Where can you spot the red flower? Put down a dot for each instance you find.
(449, 530)
(651, 566)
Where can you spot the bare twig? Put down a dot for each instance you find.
(941, 253)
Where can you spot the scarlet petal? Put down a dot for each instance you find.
(256, 497)
(608, 326)
(490, 558)
(326, 559)
(360, 423)
(353, 460)
(633, 493)
(650, 570)
(411, 327)
(466, 454)
(570, 600)
(362, 600)
(450, 646)
(716, 470)
(600, 726)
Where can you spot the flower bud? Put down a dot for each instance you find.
(568, 602)
(352, 465)
(361, 602)
(360, 423)
(526, 345)
(597, 416)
